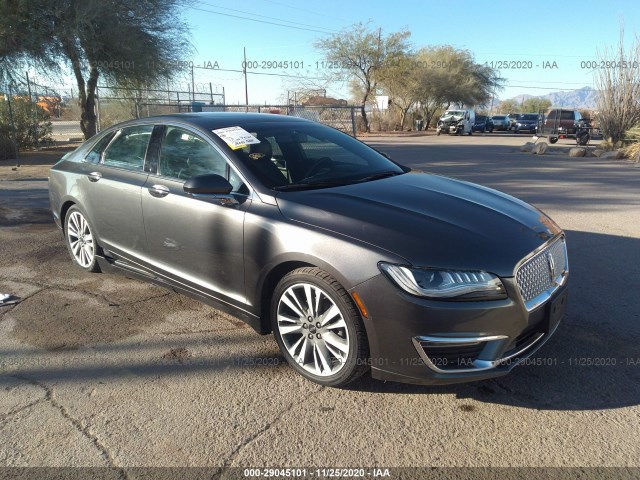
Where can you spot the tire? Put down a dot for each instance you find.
(80, 240)
(333, 354)
(553, 139)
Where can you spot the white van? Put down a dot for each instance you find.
(458, 121)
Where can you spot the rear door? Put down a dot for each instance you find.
(113, 191)
(195, 240)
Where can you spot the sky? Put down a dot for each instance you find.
(524, 36)
(538, 47)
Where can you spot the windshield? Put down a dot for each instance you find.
(457, 113)
(499, 117)
(300, 156)
(529, 117)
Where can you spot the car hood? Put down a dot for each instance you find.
(428, 220)
(451, 118)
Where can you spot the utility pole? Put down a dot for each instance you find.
(246, 89)
(193, 88)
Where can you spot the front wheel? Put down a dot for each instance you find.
(80, 240)
(318, 328)
(553, 139)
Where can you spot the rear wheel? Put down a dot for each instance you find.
(80, 240)
(553, 139)
(318, 328)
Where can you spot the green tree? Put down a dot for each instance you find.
(126, 42)
(400, 82)
(535, 105)
(509, 106)
(362, 54)
(447, 76)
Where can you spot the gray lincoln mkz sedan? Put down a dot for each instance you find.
(353, 261)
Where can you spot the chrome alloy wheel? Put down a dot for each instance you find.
(80, 239)
(313, 329)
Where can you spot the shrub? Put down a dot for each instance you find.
(7, 149)
(28, 132)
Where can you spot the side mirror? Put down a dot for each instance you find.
(209, 184)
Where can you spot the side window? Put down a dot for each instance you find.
(129, 148)
(184, 155)
(566, 115)
(96, 152)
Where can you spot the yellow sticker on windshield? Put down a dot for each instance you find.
(235, 137)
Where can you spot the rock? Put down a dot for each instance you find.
(578, 152)
(613, 155)
(539, 148)
(610, 154)
(598, 152)
(527, 147)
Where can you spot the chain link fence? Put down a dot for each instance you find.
(118, 104)
(36, 115)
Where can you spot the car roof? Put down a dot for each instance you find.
(213, 120)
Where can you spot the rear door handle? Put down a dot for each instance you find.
(94, 176)
(158, 191)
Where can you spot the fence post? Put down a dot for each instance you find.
(13, 125)
(34, 109)
(97, 107)
(353, 121)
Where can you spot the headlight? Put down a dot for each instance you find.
(445, 284)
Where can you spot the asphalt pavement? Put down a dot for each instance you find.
(101, 370)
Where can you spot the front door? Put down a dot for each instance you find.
(195, 240)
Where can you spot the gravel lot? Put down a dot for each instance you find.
(100, 370)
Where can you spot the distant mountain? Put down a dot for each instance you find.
(585, 97)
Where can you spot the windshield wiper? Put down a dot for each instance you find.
(310, 185)
(378, 176)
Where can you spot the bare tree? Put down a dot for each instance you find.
(618, 104)
(362, 53)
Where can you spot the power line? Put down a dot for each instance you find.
(304, 10)
(266, 16)
(259, 21)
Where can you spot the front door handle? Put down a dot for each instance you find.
(159, 191)
(94, 176)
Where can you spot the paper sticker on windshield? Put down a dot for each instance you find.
(236, 137)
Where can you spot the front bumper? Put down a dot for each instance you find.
(526, 128)
(415, 340)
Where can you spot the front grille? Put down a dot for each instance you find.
(543, 273)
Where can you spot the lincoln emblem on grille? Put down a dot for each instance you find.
(552, 267)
